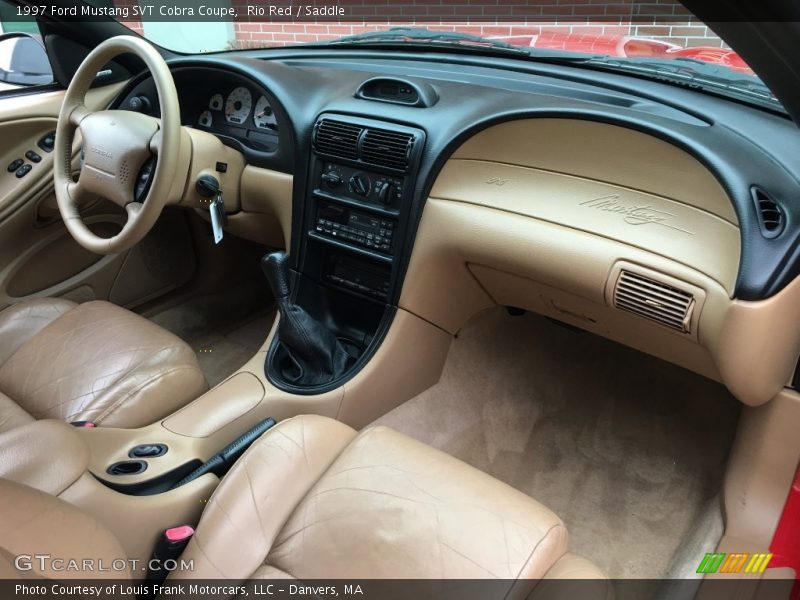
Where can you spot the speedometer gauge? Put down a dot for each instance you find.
(238, 105)
(264, 116)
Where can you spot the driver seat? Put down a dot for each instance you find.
(92, 362)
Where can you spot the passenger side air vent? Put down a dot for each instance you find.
(387, 148)
(337, 138)
(654, 300)
(770, 214)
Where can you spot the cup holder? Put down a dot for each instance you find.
(127, 467)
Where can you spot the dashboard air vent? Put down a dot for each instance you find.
(337, 138)
(654, 300)
(770, 214)
(387, 148)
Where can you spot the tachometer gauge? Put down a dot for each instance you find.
(216, 102)
(238, 105)
(264, 116)
(206, 119)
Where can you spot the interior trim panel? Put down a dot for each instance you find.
(688, 235)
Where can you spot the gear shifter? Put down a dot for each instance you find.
(276, 270)
(308, 353)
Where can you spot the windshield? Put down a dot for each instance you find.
(657, 38)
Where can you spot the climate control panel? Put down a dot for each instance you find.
(382, 190)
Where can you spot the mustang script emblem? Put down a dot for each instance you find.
(633, 214)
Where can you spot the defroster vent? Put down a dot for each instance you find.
(770, 214)
(654, 300)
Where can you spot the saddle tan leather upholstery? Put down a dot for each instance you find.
(47, 455)
(34, 523)
(313, 499)
(90, 362)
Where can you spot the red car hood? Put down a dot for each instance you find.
(626, 46)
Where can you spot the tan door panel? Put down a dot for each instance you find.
(19, 138)
(38, 257)
(57, 259)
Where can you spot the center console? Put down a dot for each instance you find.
(353, 221)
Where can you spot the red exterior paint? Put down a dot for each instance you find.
(785, 545)
(626, 46)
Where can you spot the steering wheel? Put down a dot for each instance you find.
(116, 145)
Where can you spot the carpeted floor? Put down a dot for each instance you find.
(225, 329)
(628, 450)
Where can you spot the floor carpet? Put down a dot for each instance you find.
(225, 329)
(628, 450)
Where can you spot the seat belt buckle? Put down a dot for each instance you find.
(169, 547)
(83, 424)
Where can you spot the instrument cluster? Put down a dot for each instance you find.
(237, 108)
(242, 113)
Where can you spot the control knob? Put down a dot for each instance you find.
(360, 184)
(387, 193)
(332, 178)
(140, 104)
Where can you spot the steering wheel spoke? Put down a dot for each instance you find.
(77, 193)
(78, 114)
(156, 142)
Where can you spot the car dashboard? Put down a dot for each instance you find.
(442, 185)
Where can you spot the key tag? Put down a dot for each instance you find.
(218, 217)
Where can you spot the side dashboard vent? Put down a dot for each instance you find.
(770, 214)
(337, 138)
(387, 148)
(654, 300)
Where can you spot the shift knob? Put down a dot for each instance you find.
(275, 266)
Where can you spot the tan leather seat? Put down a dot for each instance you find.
(90, 362)
(313, 499)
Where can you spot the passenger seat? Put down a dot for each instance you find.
(314, 499)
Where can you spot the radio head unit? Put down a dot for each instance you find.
(353, 226)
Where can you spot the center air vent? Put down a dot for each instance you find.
(387, 148)
(654, 300)
(770, 214)
(360, 141)
(337, 138)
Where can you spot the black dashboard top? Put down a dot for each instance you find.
(744, 147)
